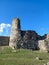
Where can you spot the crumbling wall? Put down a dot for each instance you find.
(27, 39)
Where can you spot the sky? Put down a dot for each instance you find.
(33, 15)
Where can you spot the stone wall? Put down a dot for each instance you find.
(27, 39)
(4, 40)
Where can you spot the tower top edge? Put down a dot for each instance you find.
(15, 18)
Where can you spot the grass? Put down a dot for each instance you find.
(22, 57)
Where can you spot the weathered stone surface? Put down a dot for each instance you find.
(30, 35)
(29, 40)
(15, 33)
(47, 36)
(47, 63)
(43, 45)
(38, 58)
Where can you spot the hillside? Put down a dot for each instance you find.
(22, 57)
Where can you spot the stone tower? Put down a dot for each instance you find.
(15, 36)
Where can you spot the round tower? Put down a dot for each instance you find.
(15, 36)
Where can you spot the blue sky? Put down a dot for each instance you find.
(33, 14)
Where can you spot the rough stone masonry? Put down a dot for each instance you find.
(27, 39)
(15, 33)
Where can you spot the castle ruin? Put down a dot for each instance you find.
(27, 39)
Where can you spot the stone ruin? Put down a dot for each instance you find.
(27, 39)
(15, 36)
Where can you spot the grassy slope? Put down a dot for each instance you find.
(22, 57)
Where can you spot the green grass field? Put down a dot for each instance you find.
(22, 57)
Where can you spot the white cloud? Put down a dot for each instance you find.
(5, 27)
